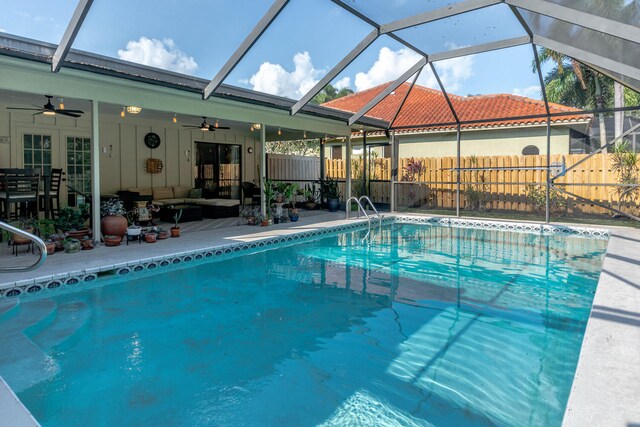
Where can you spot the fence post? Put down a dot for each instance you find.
(547, 193)
(348, 173)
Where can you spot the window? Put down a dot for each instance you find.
(530, 150)
(37, 152)
(78, 169)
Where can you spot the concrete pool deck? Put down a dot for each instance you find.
(606, 388)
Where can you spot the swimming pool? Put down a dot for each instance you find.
(431, 325)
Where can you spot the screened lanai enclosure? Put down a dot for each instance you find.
(435, 115)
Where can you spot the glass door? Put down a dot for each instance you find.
(218, 169)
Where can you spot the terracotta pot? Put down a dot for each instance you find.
(175, 231)
(51, 247)
(78, 234)
(163, 235)
(150, 237)
(266, 222)
(71, 246)
(21, 240)
(113, 225)
(111, 241)
(87, 244)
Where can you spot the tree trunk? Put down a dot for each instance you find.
(618, 103)
(600, 106)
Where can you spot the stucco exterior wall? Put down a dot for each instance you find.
(493, 142)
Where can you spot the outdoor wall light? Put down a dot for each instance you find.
(122, 112)
(250, 150)
(279, 132)
(257, 126)
(174, 119)
(61, 103)
(132, 109)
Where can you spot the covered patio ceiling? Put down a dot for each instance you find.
(604, 35)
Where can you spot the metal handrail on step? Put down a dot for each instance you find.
(38, 241)
(360, 208)
(368, 200)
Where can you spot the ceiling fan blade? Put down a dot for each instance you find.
(190, 126)
(21, 108)
(68, 113)
(222, 127)
(39, 112)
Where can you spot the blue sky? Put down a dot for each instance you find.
(305, 41)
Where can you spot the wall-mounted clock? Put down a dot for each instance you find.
(152, 140)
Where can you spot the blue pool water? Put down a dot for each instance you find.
(430, 326)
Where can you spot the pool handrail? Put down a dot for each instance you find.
(38, 241)
(368, 200)
(360, 208)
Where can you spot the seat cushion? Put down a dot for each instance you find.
(181, 191)
(195, 193)
(143, 191)
(164, 202)
(225, 202)
(160, 193)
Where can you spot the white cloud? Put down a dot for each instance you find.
(343, 83)
(274, 79)
(2, 30)
(452, 72)
(158, 53)
(529, 91)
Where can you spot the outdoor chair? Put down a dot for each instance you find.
(20, 190)
(55, 180)
(250, 191)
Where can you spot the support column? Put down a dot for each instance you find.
(348, 175)
(95, 172)
(365, 173)
(548, 189)
(458, 171)
(263, 168)
(322, 155)
(394, 169)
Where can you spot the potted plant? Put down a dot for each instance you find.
(329, 190)
(163, 234)
(249, 213)
(72, 220)
(27, 224)
(110, 240)
(310, 195)
(175, 230)
(86, 243)
(71, 245)
(269, 195)
(113, 221)
(46, 229)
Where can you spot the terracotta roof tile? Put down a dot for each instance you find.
(425, 106)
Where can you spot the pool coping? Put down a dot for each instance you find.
(594, 376)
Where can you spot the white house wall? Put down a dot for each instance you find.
(123, 153)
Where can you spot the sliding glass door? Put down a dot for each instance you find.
(218, 169)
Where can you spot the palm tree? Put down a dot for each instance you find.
(574, 84)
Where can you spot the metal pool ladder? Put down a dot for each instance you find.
(38, 241)
(368, 238)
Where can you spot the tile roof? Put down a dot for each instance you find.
(425, 106)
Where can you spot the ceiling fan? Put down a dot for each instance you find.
(206, 127)
(49, 110)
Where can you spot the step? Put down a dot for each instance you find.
(9, 307)
(70, 318)
(31, 316)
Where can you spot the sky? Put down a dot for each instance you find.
(308, 38)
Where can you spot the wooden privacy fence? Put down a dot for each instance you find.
(434, 184)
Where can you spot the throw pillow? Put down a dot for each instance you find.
(195, 193)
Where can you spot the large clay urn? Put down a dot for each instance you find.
(113, 225)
